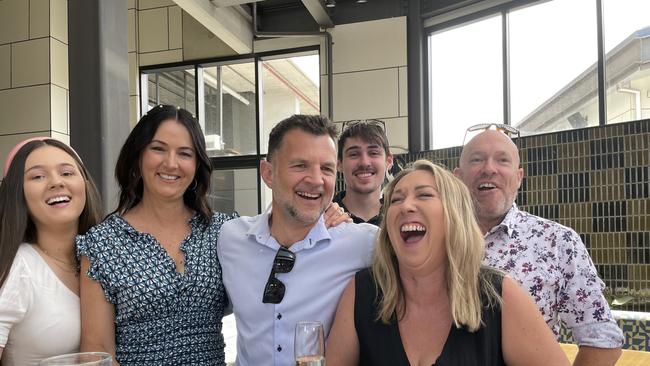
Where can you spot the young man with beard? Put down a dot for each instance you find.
(549, 260)
(363, 159)
(284, 265)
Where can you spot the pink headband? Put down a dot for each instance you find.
(12, 153)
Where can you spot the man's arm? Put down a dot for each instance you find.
(586, 311)
(591, 356)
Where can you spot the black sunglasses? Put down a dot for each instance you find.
(370, 122)
(274, 289)
(500, 127)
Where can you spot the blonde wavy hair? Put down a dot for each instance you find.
(464, 248)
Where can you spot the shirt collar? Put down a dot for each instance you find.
(261, 232)
(508, 223)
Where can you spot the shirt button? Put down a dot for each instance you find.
(279, 316)
(279, 348)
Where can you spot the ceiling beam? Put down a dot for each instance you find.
(229, 24)
(319, 13)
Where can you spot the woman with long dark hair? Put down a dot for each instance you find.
(152, 291)
(46, 198)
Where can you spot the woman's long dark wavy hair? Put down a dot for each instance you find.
(127, 169)
(16, 225)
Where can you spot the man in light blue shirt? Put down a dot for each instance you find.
(284, 265)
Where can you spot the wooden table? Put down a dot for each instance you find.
(628, 358)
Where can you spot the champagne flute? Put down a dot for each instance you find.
(309, 344)
(79, 359)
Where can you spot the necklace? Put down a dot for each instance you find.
(63, 265)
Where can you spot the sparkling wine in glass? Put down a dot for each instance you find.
(309, 344)
(79, 359)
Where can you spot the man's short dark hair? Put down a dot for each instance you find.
(371, 133)
(313, 124)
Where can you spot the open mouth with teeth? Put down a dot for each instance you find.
(486, 187)
(308, 196)
(364, 174)
(58, 200)
(169, 177)
(412, 233)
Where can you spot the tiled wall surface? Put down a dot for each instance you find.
(595, 180)
(33, 70)
(369, 68)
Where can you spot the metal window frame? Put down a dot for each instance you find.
(226, 162)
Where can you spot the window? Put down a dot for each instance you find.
(237, 102)
(546, 56)
(466, 79)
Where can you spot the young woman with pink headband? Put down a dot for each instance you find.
(46, 198)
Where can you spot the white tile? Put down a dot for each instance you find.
(131, 4)
(398, 134)
(63, 137)
(134, 108)
(324, 102)
(403, 91)
(148, 4)
(7, 143)
(246, 202)
(25, 109)
(59, 63)
(175, 27)
(368, 94)
(132, 30)
(5, 66)
(30, 62)
(199, 42)
(153, 30)
(369, 45)
(39, 18)
(133, 73)
(14, 20)
(246, 179)
(59, 20)
(59, 109)
(161, 57)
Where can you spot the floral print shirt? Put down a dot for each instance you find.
(551, 263)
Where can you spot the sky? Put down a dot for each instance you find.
(550, 45)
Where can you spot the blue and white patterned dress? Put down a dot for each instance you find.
(162, 317)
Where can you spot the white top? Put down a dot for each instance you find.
(326, 259)
(39, 315)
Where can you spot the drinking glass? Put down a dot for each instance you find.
(79, 359)
(309, 344)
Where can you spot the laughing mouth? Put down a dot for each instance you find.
(411, 233)
(309, 196)
(168, 177)
(364, 174)
(58, 199)
(486, 186)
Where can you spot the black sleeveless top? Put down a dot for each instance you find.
(380, 344)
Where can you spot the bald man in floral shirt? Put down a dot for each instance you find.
(549, 260)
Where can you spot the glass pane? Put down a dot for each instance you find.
(466, 79)
(172, 87)
(234, 190)
(553, 71)
(626, 31)
(290, 86)
(230, 109)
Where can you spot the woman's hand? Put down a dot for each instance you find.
(335, 215)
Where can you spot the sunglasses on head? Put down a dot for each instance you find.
(274, 289)
(500, 127)
(370, 122)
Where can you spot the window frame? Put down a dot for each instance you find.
(250, 161)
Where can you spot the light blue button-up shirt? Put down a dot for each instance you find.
(326, 259)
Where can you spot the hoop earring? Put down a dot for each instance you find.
(192, 188)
